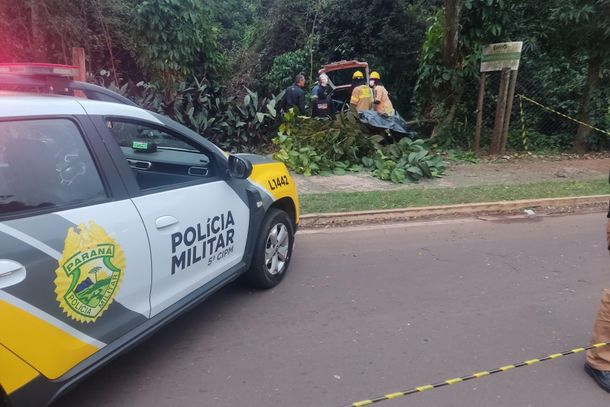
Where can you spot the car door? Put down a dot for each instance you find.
(74, 258)
(196, 223)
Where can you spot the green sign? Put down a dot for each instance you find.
(500, 56)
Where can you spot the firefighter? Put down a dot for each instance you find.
(382, 102)
(361, 98)
(357, 80)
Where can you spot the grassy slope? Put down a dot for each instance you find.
(407, 198)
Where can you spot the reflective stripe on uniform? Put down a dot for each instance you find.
(361, 97)
(385, 104)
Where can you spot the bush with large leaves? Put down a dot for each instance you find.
(324, 146)
(234, 125)
(406, 161)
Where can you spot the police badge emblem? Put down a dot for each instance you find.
(89, 273)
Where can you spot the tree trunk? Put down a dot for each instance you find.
(446, 122)
(38, 42)
(447, 93)
(450, 35)
(580, 143)
(496, 138)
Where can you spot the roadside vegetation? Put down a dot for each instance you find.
(336, 146)
(417, 197)
(220, 67)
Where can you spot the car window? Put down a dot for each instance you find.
(45, 164)
(159, 158)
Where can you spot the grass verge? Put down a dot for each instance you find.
(409, 198)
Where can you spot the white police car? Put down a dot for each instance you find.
(113, 220)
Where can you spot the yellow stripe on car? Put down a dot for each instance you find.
(47, 348)
(15, 373)
(276, 180)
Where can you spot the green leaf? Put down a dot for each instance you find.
(415, 172)
(418, 156)
(425, 169)
(368, 162)
(398, 175)
(271, 109)
(405, 142)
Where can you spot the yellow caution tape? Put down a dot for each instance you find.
(477, 375)
(565, 116)
(524, 139)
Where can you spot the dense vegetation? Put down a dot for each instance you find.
(215, 66)
(320, 146)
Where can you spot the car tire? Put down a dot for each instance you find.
(3, 398)
(273, 250)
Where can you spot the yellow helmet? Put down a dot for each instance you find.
(375, 75)
(357, 75)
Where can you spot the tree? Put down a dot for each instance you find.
(449, 57)
(385, 33)
(586, 22)
(177, 39)
(452, 10)
(46, 30)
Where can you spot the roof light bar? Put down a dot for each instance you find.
(37, 69)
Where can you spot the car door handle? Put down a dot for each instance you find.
(11, 273)
(165, 221)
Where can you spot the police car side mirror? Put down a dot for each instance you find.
(239, 167)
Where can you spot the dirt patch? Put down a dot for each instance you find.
(504, 171)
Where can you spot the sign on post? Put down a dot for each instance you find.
(500, 56)
(503, 56)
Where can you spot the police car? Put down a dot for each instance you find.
(113, 220)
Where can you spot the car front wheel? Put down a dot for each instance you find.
(273, 250)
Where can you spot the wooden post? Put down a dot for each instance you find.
(509, 110)
(78, 59)
(500, 112)
(477, 133)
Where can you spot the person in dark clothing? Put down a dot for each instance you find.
(295, 95)
(322, 102)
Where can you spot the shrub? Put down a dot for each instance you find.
(324, 146)
(234, 125)
(313, 146)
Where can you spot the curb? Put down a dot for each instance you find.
(579, 204)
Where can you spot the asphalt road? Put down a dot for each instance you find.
(370, 311)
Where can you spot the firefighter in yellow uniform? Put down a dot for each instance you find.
(382, 102)
(361, 99)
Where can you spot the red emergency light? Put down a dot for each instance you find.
(39, 69)
(54, 79)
